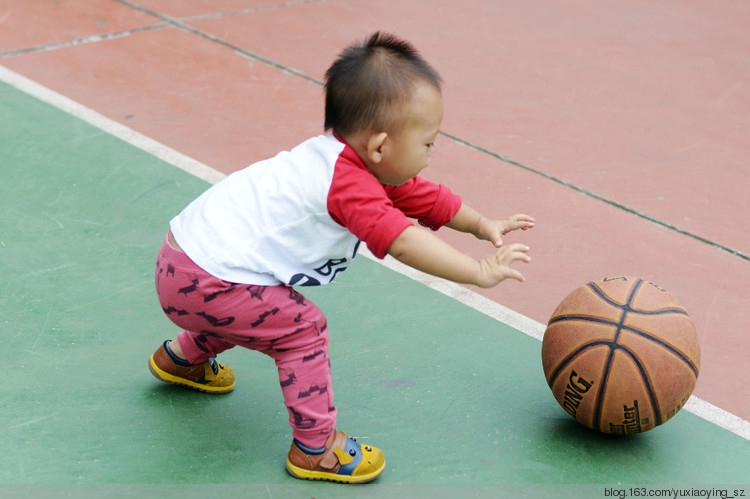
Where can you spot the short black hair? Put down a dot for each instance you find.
(369, 81)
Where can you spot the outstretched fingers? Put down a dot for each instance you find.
(519, 221)
(513, 253)
(497, 267)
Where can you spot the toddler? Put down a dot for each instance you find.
(225, 271)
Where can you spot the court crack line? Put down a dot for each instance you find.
(80, 41)
(180, 23)
(598, 197)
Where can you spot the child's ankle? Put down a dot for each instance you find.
(175, 353)
(311, 451)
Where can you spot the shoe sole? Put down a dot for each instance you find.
(298, 472)
(169, 378)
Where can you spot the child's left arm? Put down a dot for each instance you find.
(471, 221)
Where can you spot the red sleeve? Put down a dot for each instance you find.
(431, 204)
(376, 213)
(357, 201)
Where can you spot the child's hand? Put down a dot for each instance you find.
(492, 230)
(495, 268)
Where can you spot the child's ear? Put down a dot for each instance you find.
(375, 145)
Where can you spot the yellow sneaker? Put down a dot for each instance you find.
(209, 376)
(344, 460)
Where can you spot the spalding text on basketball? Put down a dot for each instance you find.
(574, 392)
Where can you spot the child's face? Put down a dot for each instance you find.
(406, 151)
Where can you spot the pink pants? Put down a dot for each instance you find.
(217, 315)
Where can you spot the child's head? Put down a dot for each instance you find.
(369, 83)
(384, 94)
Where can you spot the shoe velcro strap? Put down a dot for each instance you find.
(332, 457)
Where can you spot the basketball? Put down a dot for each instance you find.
(621, 355)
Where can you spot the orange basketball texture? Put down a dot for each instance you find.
(621, 355)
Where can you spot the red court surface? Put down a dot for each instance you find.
(622, 127)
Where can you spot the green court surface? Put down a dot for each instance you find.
(457, 400)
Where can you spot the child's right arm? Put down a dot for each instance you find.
(425, 251)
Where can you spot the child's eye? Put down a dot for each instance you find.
(431, 146)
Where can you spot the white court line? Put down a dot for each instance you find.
(528, 326)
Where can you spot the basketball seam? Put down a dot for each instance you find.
(673, 350)
(572, 356)
(643, 334)
(646, 382)
(625, 308)
(600, 292)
